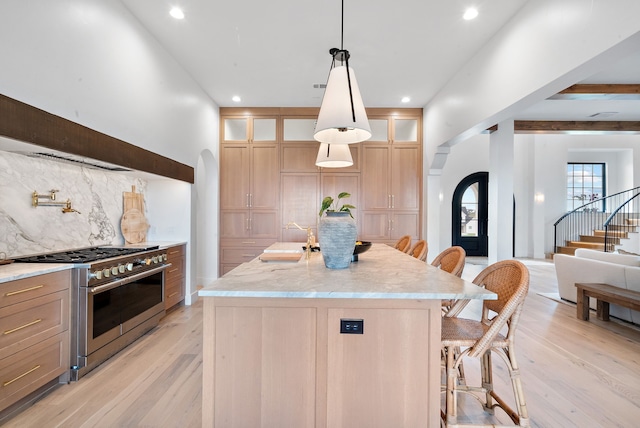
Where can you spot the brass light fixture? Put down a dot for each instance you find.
(342, 118)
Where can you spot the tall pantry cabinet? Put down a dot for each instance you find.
(268, 178)
(249, 187)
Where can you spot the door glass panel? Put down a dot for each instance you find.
(469, 214)
(379, 129)
(406, 130)
(264, 130)
(235, 129)
(299, 129)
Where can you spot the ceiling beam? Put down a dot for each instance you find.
(599, 91)
(572, 127)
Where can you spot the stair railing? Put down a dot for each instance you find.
(591, 216)
(623, 219)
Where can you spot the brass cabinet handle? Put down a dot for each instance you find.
(171, 295)
(249, 242)
(248, 255)
(13, 293)
(173, 270)
(174, 252)
(13, 330)
(9, 382)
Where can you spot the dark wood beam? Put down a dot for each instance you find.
(23, 122)
(565, 127)
(599, 91)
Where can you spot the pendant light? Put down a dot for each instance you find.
(342, 118)
(334, 156)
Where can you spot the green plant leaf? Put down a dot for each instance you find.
(326, 203)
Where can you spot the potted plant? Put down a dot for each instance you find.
(337, 232)
(329, 206)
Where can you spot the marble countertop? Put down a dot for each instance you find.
(13, 271)
(381, 273)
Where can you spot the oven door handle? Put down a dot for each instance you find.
(109, 286)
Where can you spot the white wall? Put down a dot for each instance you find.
(92, 62)
(539, 180)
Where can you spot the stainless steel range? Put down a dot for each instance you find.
(117, 296)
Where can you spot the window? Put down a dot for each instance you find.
(585, 183)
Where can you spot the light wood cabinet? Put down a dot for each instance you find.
(175, 278)
(249, 184)
(284, 363)
(268, 178)
(392, 180)
(34, 344)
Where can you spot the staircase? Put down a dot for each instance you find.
(603, 225)
(596, 241)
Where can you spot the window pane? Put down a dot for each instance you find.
(585, 184)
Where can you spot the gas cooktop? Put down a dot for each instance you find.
(83, 255)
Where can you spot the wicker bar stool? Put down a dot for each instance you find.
(403, 244)
(419, 250)
(461, 338)
(451, 260)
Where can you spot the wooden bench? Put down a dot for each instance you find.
(605, 294)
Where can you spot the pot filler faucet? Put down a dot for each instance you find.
(309, 238)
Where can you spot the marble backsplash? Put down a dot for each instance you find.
(96, 194)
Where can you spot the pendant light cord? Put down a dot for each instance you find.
(346, 61)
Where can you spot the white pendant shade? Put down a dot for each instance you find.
(334, 156)
(335, 123)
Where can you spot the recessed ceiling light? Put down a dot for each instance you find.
(236, 99)
(470, 13)
(177, 13)
(405, 99)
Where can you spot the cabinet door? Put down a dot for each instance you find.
(375, 177)
(405, 223)
(299, 157)
(265, 174)
(234, 176)
(263, 224)
(405, 131)
(376, 226)
(405, 177)
(300, 204)
(234, 224)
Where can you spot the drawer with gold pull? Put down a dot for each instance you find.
(29, 369)
(25, 289)
(26, 323)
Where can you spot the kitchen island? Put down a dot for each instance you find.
(294, 344)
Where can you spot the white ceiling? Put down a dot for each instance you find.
(271, 53)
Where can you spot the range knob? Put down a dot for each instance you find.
(129, 266)
(121, 268)
(106, 273)
(154, 259)
(114, 270)
(95, 275)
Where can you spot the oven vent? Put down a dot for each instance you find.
(75, 160)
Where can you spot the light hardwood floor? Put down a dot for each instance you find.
(575, 373)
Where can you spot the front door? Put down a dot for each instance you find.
(469, 214)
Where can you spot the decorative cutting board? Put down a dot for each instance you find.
(134, 224)
(280, 257)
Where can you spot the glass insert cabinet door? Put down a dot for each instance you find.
(469, 214)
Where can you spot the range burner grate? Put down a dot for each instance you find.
(82, 255)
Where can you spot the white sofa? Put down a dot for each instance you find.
(620, 270)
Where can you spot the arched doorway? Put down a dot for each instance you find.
(469, 221)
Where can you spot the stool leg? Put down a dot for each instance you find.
(487, 380)
(518, 393)
(451, 399)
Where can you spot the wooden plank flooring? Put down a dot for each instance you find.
(574, 373)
